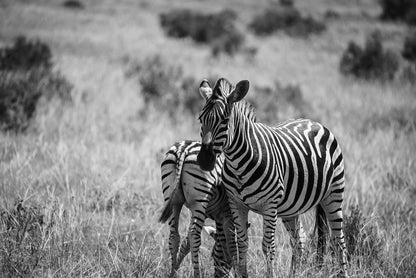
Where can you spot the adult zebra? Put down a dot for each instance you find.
(279, 171)
(183, 182)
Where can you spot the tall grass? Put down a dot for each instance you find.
(80, 192)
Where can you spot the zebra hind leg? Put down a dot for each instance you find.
(174, 237)
(322, 230)
(194, 235)
(183, 251)
(333, 211)
(297, 239)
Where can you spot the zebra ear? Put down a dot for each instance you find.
(205, 89)
(240, 91)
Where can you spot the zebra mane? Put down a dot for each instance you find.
(247, 110)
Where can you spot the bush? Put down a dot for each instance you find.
(364, 245)
(279, 103)
(409, 47)
(25, 55)
(25, 77)
(372, 62)
(217, 30)
(20, 92)
(404, 10)
(165, 85)
(73, 4)
(287, 19)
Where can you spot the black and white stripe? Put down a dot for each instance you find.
(183, 182)
(276, 171)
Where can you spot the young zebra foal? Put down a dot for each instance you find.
(183, 182)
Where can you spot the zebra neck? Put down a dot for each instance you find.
(238, 138)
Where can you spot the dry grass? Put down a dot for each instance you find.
(92, 169)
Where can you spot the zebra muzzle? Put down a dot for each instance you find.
(206, 157)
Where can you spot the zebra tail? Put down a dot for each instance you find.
(167, 209)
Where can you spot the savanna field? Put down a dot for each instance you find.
(109, 86)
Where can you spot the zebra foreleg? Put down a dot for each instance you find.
(240, 216)
(268, 244)
(297, 240)
(220, 253)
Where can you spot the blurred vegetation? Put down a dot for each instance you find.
(165, 85)
(73, 4)
(372, 62)
(217, 30)
(404, 10)
(26, 75)
(287, 19)
(25, 55)
(409, 47)
(279, 103)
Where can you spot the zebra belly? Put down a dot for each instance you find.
(254, 202)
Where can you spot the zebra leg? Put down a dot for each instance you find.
(333, 211)
(268, 244)
(297, 240)
(174, 237)
(194, 234)
(220, 254)
(240, 216)
(322, 229)
(183, 251)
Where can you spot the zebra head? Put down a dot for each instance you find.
(215, 116)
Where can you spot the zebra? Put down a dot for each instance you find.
(183, 182)
(277, 171)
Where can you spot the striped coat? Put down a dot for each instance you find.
(276, 171)
(184, 183)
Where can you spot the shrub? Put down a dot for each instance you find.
(26, 76)
(279, 103)
(408, 74)
(409, 47)
(364, 245)
(287, 19)
(404, 10)
(165, 85)
(73, 4)
(217, 30)
(20, 92)
(372, 62)
(25, 55)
